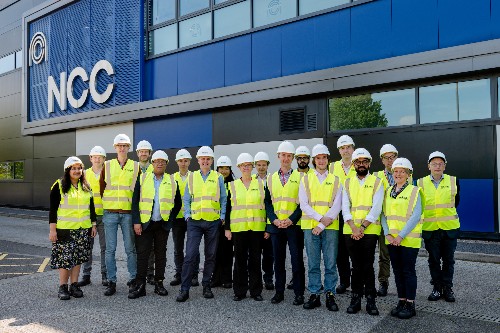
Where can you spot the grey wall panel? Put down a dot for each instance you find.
(16, 149)
(11, 40)
(103, 136)
(16, 193)
(10, 106)
(10, 127)
(48, 170)
(41, 194)
(54, 145)
(10, 83)
(28, 170)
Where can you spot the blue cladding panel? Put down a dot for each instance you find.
(176, 132)
(414, 26)
(495, 18)
(476, 207)
(371, 31)
(463, 21)
(332, 39)
(212, 67)
(238, 61)
(266, 54)
(298, 47)
(162, 77)
(188, 71)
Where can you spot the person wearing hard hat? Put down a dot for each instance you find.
(245, 225)
(362, 199)
(343, 169)
(155, 204)
(117, 183)
(400, 219)
(72, 222)
(320, 196)
(283, 212)
(223, 276)
(303, 157)
(441, 225)
(261, 162)
(179, 227)
(97, 157)
(205, 200)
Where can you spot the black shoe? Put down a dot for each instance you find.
(382, 290)
(371, 307)
(277, 298)
(183, 296)
(290, 285)
(85, 281)
(313, 302)
(160, 289)
(139, 291)
(298, 300)
(398, 308)
(110, 289)
(177, 280)
(408, 311)
(207, 292)
(194, 281)
(131, 285)
(227, 285)
(104, 281)
(258, 298)
(330, 302)
(341, 289)
(239, 298)
(355, 305)
(449, 295)
(436, 294)
(63, 292)
(150, 279)
(269, 285)
(75, 291)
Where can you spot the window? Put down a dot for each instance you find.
(163, 10)
(164, 39)
(191, 6)
(438, 103)
(195, 30)
(307, 7)
(19, 59)
(271, 11)
(12, 170)
(232, 19)
(398, 106)
(474, 100)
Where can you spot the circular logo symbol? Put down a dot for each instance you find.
(38, 49)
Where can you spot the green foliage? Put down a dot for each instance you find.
(355, 112)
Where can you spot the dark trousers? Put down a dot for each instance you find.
(179, 229)
(343, 264)
(154, 236)
(196, 229)
(223, 270)
(441, 248)
(403, 260)
(362, 253)
(247, 270)
(268, 260)
(384, 261)
(280, 240)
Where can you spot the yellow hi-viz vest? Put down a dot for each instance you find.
(285, 199)
(439, 204)
(361, 197)
(93, 180)
(205, 196)
(320, 197)
(74, 208)
(247, 206)
(398, 211)
(338, 170)
(182, 188)
(120, 184)
(166, 195)
(385, 181)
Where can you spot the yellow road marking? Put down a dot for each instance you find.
(10, 258)
(43, 265)
(18, 265)
(3, 255)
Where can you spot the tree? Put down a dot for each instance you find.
(354, 112)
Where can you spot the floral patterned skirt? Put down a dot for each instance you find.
(72, 252)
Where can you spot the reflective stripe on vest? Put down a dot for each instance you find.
(320, 197)
(182, 188)
(337, 169)
(247, 206)
(398, 211)
(361, 198)
(205, 196)
(74, 208)
(439, 203)
(120, 184)
(166, 195)
(285, 199)
(93, 180)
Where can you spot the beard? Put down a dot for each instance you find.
(362, 171)
(302, 165)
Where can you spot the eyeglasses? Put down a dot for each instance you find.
(435, 165)
(159, 161)
(302, 158)
(389, 158)
(363, 162)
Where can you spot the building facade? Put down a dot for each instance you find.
(243, 75)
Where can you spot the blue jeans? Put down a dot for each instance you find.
(111, 222)
(326, 243)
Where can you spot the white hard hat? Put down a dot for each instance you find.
(344, 140)
(122, 139)
(244, 158)
(205, 151)
(388, 148)
(97, 150)
(436, 154)
(402, 162)
(183, 153)
(286, 147)
(72, 160)
(223, 161)
(261, 156)
(360, 153)
(144, 145)
(320, 149)
(159, 155)
(303, 150)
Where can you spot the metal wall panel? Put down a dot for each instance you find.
(11, 127)
(16, 149)
(103, 136)
(10, 83)
(10, 41)
(237, 60)
(10, 106)
(54, 145)
(266, 54)
(297, 42)
(16, 193)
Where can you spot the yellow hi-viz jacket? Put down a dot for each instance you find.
(247, 206)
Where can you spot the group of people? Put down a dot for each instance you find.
(336, 211)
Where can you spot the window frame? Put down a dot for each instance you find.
(13, 171)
